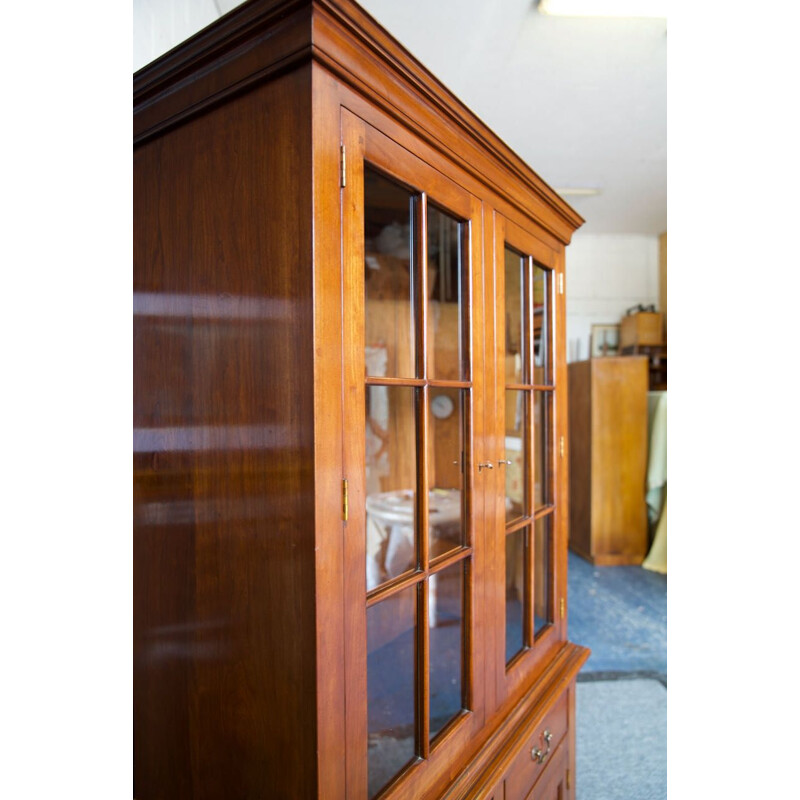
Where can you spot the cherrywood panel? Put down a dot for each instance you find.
(256, 42)
(525, 770)
(368, 143)
(553, 784)
(493, 760)
(616, 527)
(243, 653)
(224, 545)
(332, 573)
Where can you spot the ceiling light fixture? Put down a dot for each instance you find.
(604, 8)
(578, 192)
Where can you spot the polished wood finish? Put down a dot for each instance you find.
(555, 783)
(224, 490)
(608, 459)
(250, 597)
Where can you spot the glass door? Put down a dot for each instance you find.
(525, 373)
(409, 234)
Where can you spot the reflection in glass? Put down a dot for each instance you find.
(516, 453)
(515, 340)
(541, 556)
(446, 350)
(388, 278)
(446, 615)
(391, 640)
(541, 327)
(542, 447)
(445, 470)
(516, 591)
(391, 478)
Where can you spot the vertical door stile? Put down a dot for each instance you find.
(531, 439)
(421, 274)
(355, 667)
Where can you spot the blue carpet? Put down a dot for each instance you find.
(620, 613)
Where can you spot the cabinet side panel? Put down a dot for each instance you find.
(224, 648)
(580, 456)
(619, 459)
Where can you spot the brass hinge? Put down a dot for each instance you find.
(342, 166)
(562, 606)
(561, 283)
(569, 786)
(344, 500)
(561, 446)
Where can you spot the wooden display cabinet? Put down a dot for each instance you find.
(350, 499)
(608, 459)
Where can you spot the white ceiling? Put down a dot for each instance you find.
(583, 101)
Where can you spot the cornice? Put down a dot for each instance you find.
(264, 38)
(364, 29)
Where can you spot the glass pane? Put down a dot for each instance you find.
(391, 478)
(391, 669)
(542, 444)
(515, 341)
(446, 350)
(516, 453)
(541, 566)
(516, 591)
(541, 327)
(445, 470)
(388, 278)
(446, 618)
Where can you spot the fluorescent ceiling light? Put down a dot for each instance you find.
(604, 8)
(578, 192)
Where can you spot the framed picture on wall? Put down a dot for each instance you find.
(605, 341)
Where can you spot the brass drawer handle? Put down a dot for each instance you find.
(538, 755)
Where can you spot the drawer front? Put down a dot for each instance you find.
(537, 750)
(553, 783)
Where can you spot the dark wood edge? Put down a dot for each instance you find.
(500, 749)
(245, 22)
(229, 42)
(221, 62)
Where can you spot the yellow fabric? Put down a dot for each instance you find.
(657, 557)
(657, 481)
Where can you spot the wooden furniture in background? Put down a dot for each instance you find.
(608, 459)
(656, 364)
(662, 278)
(641, 328)
(337, 591)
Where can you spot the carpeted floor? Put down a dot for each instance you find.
(621, 614)
(621, 748)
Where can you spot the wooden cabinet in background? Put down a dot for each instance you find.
(608, 459)
(350, 408)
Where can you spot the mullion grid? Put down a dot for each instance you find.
(421, 384)
(532, 431)
(547, 399)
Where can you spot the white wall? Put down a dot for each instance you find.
(160, 25)
(606, 275)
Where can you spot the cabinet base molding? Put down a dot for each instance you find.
(550, 702)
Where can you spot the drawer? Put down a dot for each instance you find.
(527, 766)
